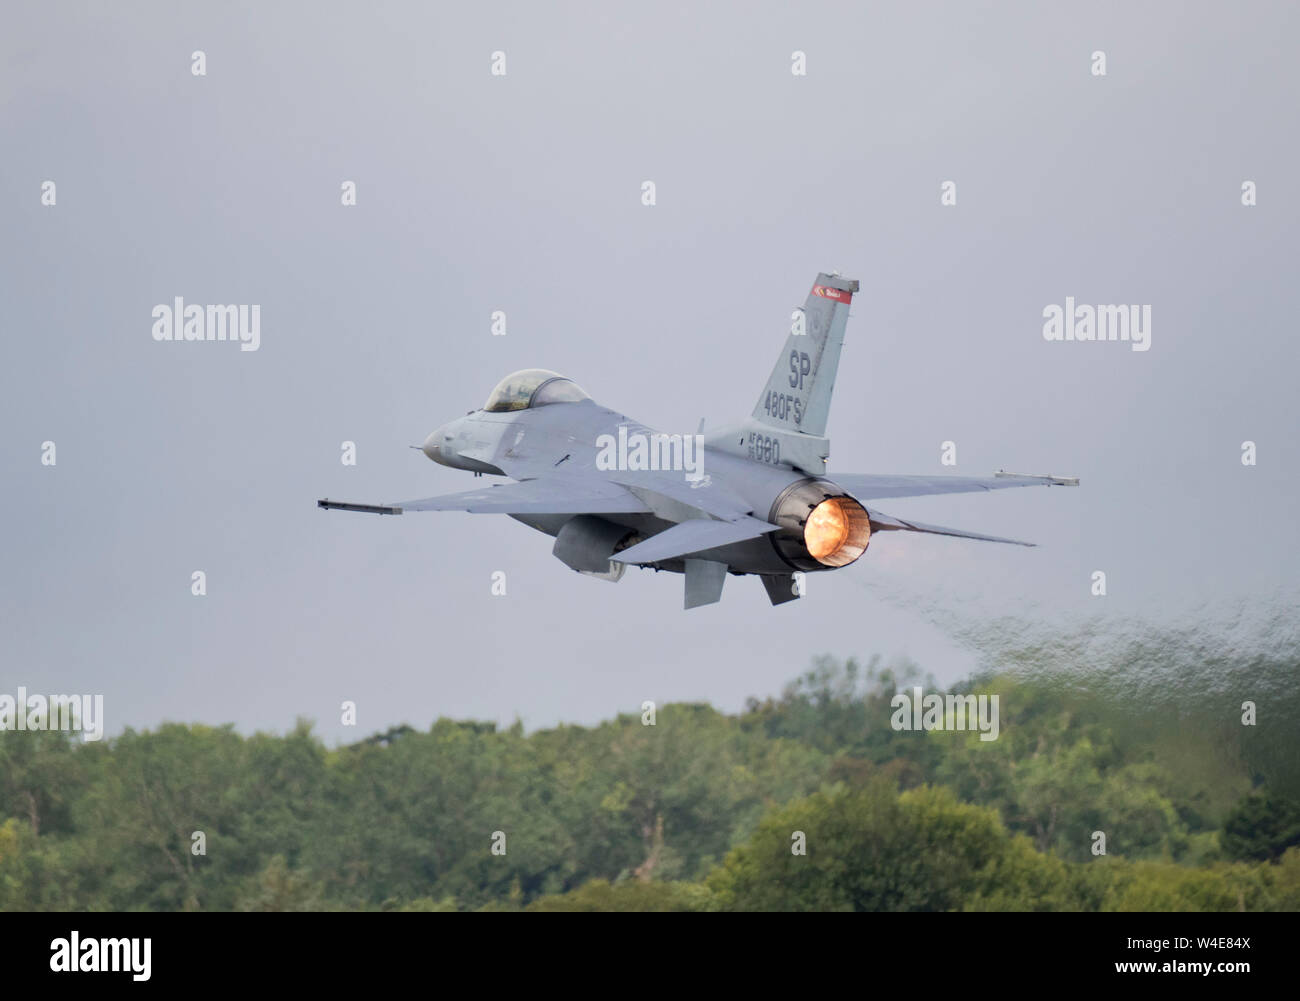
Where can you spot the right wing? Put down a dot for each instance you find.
(559, 495)
(872, 486)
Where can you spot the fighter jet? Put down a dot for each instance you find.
(751, 497)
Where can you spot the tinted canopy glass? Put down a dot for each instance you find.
(532, 387)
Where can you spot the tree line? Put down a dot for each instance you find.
(806, 801)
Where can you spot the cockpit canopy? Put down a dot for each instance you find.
(532, 387)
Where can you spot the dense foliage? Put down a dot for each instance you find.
(701, 810)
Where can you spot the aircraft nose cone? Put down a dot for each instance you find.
(430, 446)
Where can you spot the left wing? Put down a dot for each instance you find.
(872, 486)
(557, 495)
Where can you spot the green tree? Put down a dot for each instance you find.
(869, 850)
(1262, 827)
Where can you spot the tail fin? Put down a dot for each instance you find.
(798, 393)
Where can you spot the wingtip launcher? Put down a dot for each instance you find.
(1051, 481)
(330, 505)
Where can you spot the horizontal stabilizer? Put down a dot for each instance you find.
(884, 523)
(693, 536)
(674, 498)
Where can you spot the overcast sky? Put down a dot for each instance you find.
(522, 193)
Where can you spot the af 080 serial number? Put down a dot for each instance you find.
(764, 449)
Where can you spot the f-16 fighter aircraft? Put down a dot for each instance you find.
(752, 497)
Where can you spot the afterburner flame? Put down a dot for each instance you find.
(837, 531)
(825, 531)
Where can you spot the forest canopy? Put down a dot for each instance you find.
(807, 801)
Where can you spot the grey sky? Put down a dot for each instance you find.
(522, 193)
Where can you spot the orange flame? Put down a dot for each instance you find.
(826, 530)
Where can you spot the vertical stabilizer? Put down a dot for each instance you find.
(798, 393)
